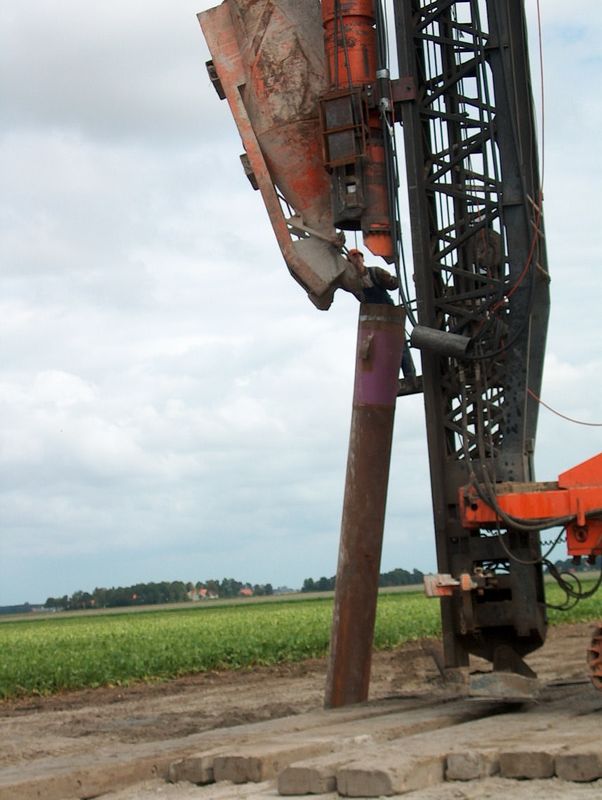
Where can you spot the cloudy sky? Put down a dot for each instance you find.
(172, 406)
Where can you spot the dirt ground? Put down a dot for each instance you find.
(75, 725)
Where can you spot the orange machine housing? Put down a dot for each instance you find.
(352, 126)
(576, 495)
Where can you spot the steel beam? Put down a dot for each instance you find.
(378, 358)
(480, 271)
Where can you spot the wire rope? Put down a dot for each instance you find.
(532, 394)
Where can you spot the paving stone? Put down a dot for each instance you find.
(307, 779)
(196, 768)
(244, 761)
(581, 766)
(472, 765)
(314, 776)
(406, 774)
(527, 764)
(256, 763)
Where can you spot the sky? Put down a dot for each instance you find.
(172, 405)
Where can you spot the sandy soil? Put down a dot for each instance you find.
(490, 789)
(77, 723)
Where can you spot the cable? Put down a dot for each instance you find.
(572, 595)
(391, 165)
(570, 601)
(575, 595)
(339, 28)
(489, 497)
(486, 492)
(536, 225)
(540, 560)
(557, 541)
(563, 416)
(531, 260)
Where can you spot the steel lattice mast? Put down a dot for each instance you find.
(480, 271)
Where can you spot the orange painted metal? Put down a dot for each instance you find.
(275, 62)
(349, 42)
(577, 494)
(269, 58)
(377, 226)
(350, 45)
(588, 473)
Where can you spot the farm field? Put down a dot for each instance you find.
(54, 654)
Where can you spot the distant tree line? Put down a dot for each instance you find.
(396, 577)
(154, 593)
(22, 608)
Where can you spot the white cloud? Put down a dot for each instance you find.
(172, 404)
(60, 389)
(108, 71)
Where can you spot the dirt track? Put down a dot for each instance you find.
(45, 738)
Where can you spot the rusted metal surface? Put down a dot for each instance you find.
(268, 59)
(379, 343)
(480, 270)
(403, 89)
(349, 41)
(441, 585)
(594, 657)
(354, 129)
(507, 687)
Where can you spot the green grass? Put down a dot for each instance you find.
(52, 654)
(584, 611)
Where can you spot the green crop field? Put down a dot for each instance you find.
(52, 654)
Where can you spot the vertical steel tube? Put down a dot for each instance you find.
(378, 358)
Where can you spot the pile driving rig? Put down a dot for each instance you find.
(310, 89)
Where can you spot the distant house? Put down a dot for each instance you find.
(201, 594)
(246, 591)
